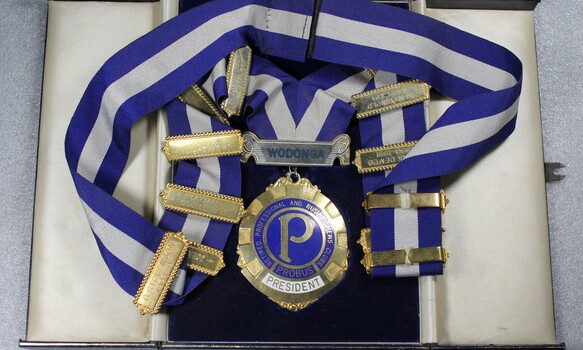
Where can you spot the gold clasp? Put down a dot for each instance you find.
(405, 201)
(443, 200)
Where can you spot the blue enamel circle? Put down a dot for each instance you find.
(294, 238)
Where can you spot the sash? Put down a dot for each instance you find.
(149, 73)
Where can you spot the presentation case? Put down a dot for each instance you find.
(496, 290)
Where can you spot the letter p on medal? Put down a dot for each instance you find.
(293, 244)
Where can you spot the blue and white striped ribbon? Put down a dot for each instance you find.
(396, 229)
(156, 68)
(313, 108)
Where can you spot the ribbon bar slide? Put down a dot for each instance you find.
(237, 80)
(404, 257)
(161, 273)
(203, 145)
(406, 200)
(205, 259)
(198, 99)
(381, 158)
(390, 97)
(398, 257)
(208, 204)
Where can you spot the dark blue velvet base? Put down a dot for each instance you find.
(359, 309)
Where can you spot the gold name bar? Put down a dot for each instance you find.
(198, 99)
(161, 273)
(398, 257)
(237, 80)
(382, 158)
(203, 203)
(406, 200)
(203, 145)
(205, 259)
(389, 97)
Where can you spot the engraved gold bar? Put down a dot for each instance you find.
(237, 80)
(198, 99)
(205, 259)
(203, 203)
(161, 273)
(406, 200)
(389, 97)
(203, 145)
(382, 158)
(407, 256)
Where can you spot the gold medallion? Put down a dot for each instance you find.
(293, 244)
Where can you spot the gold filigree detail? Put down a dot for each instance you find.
(294, 306)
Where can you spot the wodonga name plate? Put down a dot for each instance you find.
(293, 245)
(296, 153)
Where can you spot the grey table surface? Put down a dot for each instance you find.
(559, 33)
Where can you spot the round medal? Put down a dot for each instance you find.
(293, 245)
